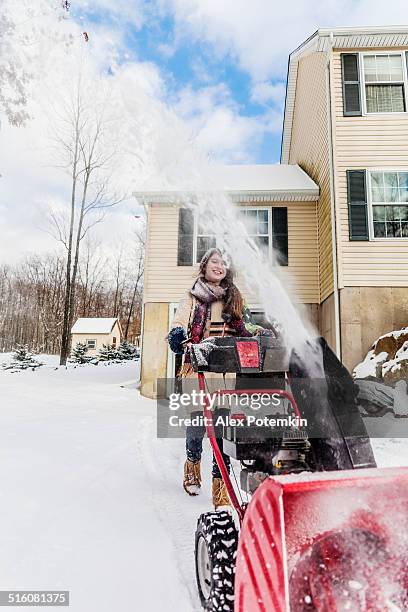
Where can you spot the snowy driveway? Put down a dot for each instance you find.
(90, 499)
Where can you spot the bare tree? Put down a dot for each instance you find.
(119, 276)
(84, 140)
(32, 296)
(92, 279)
(136, 295)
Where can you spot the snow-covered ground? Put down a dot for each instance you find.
(90, 499)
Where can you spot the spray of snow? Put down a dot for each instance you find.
(219, 216)
(261, 277)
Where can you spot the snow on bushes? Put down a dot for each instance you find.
(79, 354)
(125, 351)
(22, 359)
(108, 353)
(387, 360)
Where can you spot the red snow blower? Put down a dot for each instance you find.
(323, 529)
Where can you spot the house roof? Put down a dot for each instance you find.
(261, 182)
(325, 39)
(94, 325)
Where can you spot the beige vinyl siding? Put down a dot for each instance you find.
(166, 282)
(373, 141)
(310, 149)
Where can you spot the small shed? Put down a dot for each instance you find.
(95, 332)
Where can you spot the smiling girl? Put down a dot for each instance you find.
(213, 305)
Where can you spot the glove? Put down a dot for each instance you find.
(176, 336)
(264, 332)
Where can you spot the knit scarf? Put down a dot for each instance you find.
(205, 293)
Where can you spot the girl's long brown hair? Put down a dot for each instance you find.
(234, 303)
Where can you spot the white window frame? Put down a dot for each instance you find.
(270, 246)
(94, 341)
(362, 54)
(370, 207)
(270, 237)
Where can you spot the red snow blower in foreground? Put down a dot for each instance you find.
(322, 529)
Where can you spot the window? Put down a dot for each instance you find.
(113, 341)
(91, 344)
(267, 225)
(384, 83)
(257, 223)
(204, 241)
(389, 204)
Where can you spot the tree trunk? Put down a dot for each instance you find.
(66, 329)
(71, 306)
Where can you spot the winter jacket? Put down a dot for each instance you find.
(183, 319)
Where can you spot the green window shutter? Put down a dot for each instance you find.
(357, 204)
(185, 237)
(280, 233)
(351, 84)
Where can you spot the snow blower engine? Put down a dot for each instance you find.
(263, 450)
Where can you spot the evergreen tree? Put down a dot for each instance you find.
(127, 350)
(22, 360)
(79, 353)
(108, 353)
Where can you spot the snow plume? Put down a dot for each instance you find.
(171, 159)
(220, 217)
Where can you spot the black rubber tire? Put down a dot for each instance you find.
(217, 532)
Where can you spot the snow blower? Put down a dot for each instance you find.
(323, 529)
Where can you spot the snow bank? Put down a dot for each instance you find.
(387, 360)
(369, 367)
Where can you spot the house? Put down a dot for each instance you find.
(95, 332)
(346, 125)
(336, 206)
(284, 199)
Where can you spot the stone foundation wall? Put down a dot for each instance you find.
(367, 313)
(327, 321)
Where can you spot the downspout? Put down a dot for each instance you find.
(336, 292)
(140, 381)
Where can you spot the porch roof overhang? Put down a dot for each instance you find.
(242, 183)
(324, 40)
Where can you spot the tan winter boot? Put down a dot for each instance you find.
(192, 477)
(220, 493)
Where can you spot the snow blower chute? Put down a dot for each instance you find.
(322, 529)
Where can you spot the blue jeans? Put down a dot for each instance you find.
(194, 443)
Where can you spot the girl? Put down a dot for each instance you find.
(212, 301)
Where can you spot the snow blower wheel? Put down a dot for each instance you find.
(216, 542)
